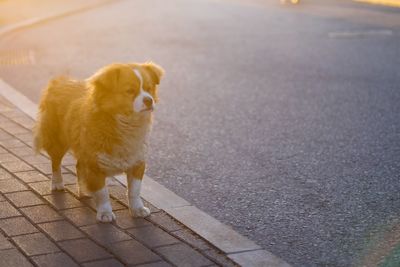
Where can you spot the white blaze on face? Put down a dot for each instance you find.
(138, 104)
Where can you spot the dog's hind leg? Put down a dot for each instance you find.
(56, 153)
(56, 178)
(81, 175)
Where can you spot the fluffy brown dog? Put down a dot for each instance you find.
(104, 120)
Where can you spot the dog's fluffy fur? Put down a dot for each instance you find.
(103, 120)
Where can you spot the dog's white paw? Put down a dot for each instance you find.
(105, 216)
(57, 186)
(140, 212)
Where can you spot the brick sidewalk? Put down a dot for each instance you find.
(44, 228)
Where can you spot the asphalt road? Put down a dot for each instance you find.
(281, 121)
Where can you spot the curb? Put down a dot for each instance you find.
(237, 247)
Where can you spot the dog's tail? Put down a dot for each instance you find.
(46, 129)
(38, 128)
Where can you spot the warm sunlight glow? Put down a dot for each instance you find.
(393, 3)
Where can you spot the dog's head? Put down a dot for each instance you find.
(126, 88)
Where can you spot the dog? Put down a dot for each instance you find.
(104, 121)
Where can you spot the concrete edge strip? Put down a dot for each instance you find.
(33, 21)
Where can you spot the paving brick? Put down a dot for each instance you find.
(219, 258)
(17, 166)
(81, 216)
(42, 188)
(155, 264)
(8, 157)
(69, 160)
(12, 257)
(72, 168)
(4, 242)
(192, 239)
(24, 121)
(11, 185)
(69, 179)
(46, 168)
(31, 176)
(5, 106)
(84, 250)
(183, 255)
(118, 192)
(43, 167)
(22, 151)
(29, 143)
(7, 210)
(12, 124)
(35, 244)
(111, 181)
(4, 135)
(117, 206)
(17, 226)
(34, 159)
(152, 236)
(24, 137)
(13, 128)
(54, 260)
(41, 213)
(105, 234)
(104, 263)
(114, 204)
(12, 112)
(61, 230)
(11, 143)
(5, 174)
(165, 221)
(73, 188)
(63, 200)
(125, 220)
(132, 252)
(24, 199)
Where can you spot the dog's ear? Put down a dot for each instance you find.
(154, 70)
(104, 82)
(106, 79)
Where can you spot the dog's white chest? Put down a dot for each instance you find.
(129, 153)
(122, 159)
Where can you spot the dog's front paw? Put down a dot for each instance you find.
(140, 212)
(57, 186)
(105, 216)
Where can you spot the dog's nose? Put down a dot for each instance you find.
(148, 101)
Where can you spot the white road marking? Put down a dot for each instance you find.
(357, 34)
